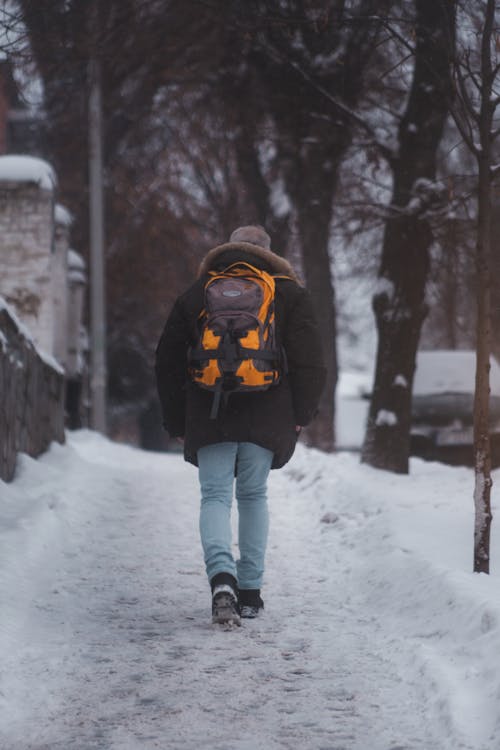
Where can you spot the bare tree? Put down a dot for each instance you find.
(477, 96)
(399, 303)
(451, 288)
(281, 81)
(303, 68)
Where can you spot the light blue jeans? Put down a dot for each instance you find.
(217, 475)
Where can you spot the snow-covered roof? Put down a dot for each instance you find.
(450, 371)
(28, 169)
(62, 215)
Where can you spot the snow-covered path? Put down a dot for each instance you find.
(374, 637)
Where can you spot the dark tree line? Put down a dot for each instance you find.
(222, 114)
(251, 78)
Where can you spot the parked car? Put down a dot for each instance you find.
(443, 404)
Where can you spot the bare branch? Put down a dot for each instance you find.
(398, 36)
(386, 152)
(486, 69)
(471, 73)
(465, 97)
(396, 65)
(463, 111)
(475, 80)
(463, 127)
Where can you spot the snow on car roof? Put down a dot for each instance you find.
(450, 371)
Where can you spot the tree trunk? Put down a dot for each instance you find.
(310, 105)
(399, 305)
(399, 312)
(314, 213)
(257, 191)
(482, 453)
(451, 281)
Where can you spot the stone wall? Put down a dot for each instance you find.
(42, 358)
(32, 395)
(59, 264)
(27, 256)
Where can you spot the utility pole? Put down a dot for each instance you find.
(98, 377)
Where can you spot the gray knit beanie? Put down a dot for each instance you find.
(255, 235)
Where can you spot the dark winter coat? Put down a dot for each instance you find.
(267, 418)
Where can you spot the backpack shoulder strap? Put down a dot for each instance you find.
(241, 268)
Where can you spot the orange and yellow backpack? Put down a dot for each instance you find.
(237, 349)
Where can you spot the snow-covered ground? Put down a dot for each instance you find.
(376, 635)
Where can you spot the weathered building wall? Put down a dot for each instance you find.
(62, 223)
(77, 281)
(32, 396)
(76, 362)
(4, 107)
(40, 321)
(26, 257)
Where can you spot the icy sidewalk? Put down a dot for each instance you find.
(375, 637)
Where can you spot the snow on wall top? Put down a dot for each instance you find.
(449, 371)
(75, 260)
(62, 216)
(76, 268)
(28, 169)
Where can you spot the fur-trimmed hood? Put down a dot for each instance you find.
(275, 262)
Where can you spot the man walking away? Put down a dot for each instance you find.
(239, 371)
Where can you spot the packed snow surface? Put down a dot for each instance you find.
(376, 634)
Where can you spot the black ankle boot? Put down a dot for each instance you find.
(224, 579)
(225, 608)
(250, 602)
